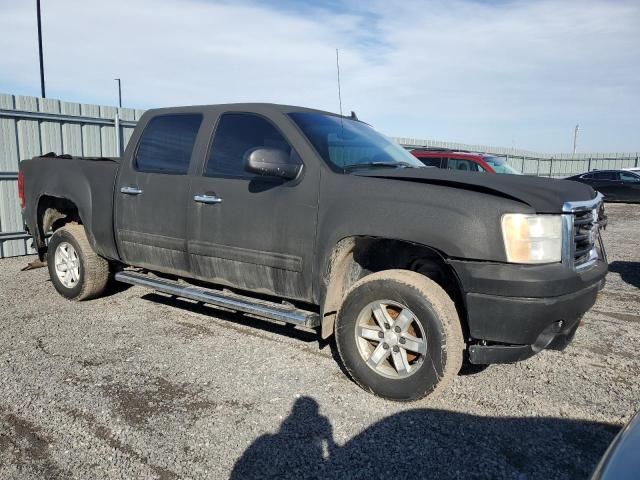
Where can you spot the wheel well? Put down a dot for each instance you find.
(355, 257)
(54, 213)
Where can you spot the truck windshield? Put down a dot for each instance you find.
(347, 144)
(500, 165)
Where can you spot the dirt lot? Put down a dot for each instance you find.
(139, 385)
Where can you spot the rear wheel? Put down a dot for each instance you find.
(76, 271)
(399, 335)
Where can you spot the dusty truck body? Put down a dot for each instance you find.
(315, 219)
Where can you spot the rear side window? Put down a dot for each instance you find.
(605, 175)
(236, 134)
(167, 143)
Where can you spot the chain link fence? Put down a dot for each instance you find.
(539, 164)
(31, 126)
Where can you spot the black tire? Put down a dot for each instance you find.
(93, 271)
(434, 315)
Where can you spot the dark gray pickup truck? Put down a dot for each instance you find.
(315, 219)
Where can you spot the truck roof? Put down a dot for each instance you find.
(249, 107)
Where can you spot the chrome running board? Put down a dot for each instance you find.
(274, 311)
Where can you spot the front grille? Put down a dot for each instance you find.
(585, 234)
(582, 220)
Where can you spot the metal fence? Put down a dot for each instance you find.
(31, 126)
(557, 165)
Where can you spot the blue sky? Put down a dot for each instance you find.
(505, 73)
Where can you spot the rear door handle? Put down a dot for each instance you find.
(206, 198)
(131, 190)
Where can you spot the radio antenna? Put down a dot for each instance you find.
(338, 69)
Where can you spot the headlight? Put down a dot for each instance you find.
(532, 238)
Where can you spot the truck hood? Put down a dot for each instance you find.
(544, 195)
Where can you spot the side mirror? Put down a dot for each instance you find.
(271, 162)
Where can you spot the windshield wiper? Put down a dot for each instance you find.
(354, 166)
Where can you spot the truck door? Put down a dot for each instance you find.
(152, 191)
(250, 231)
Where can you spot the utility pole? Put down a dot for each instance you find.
(575, 138)
(339, 92)
(119, 92)
(40, 50)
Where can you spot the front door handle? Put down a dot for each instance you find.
(206, 198)
(131, 190)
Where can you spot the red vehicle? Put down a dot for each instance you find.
(468, 161)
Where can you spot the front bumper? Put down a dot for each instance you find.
(514, 311)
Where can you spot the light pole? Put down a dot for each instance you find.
(40, 49)
(119, 92)
(575, 138)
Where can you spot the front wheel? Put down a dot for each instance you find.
(399, 336)
(76, 271)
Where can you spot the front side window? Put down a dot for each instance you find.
(500, 165)
(167, 143)
(347, 144)
(462, 164)
(629, 177)
(432, 162)
(235, 135)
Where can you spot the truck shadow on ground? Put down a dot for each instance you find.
(629, 271)
(114, 288)
(427, 443)
(236, 318)
(306, 336)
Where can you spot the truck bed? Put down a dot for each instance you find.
(86, 181)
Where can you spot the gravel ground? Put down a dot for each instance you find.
(139, 385)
